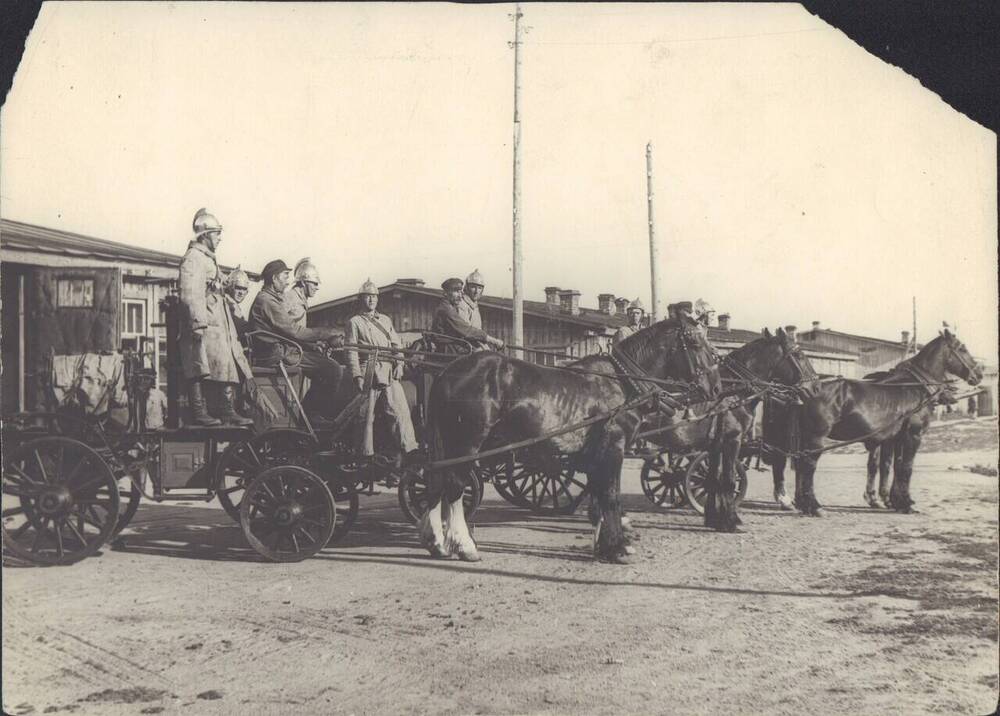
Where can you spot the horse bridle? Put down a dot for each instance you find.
(787, 353)
(973, 369)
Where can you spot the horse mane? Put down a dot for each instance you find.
(645, 343)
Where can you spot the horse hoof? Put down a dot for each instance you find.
(439, 552)
(469, 556)
(629, 549)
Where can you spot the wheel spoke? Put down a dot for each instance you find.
(39, 530)
(76, 532)
(295, 542)
(10, 512)
(22, 475)
(41, 467)
(305, 532)
(16, 534)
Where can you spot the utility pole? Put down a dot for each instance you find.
(518, 258)
(914, 324)
(654, 251)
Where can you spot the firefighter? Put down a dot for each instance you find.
(635, 312)
(275, 310)
(236, 288)
(449, 320)
(471, 293)
(210, 346)
(370, 328)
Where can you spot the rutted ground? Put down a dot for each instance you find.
(862, 611)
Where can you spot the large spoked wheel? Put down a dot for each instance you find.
(662, 483)
(287, 513)
(413, 494)
(243, 461)
(551, 487)
(696, 475)
(60, 501)
(346, 498)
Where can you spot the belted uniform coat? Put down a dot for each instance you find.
(214, 353)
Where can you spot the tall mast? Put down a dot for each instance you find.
(654, 251)
(518, 258)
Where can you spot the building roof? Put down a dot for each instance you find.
(818, 332)
(587, 316)
(19, 236)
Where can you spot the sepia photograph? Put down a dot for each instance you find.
(539, 358)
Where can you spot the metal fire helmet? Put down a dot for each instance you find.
(238, 279)
(702, 309)
(204, 223)
(636, 305)
(368, 289)
(305, 270)
(475, 278)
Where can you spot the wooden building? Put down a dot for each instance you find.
(873, 353)
(69, 294)
(557, 325)
(553, 324)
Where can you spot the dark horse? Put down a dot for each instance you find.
(881, 454)
(877, 412)
(487, 400)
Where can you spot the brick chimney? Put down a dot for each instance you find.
(723, 321)
(815, 325)
(791, 331)
(569, 301)
(552, 298)
(606, 302)
(621, 306)
(905, 339)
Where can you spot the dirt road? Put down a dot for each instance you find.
(862, 611)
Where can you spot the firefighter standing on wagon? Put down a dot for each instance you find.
(372, 329)
(236, 288)
(210, 347)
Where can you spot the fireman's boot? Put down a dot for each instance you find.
(229, 415)
(199, 410)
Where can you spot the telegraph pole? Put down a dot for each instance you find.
(914, 324)
(654, 251)
(518, 259)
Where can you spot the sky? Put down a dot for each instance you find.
(796, 177)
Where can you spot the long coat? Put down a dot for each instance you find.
(361, 329)
(469, 310)
(216, 353)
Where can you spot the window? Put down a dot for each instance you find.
(133, 317)
(74, 293)
(133, 323)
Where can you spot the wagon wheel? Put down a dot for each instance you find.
(346, 498)
(287, 513)
(128, 503)
(497, 470)
(242, 461)
(662, 483)
(547, 488)
(697, 473)
(60, 501)
(413, 494)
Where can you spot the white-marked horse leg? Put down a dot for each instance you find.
(431, 531)
(457, 539)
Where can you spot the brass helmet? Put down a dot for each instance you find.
(636, 305)
(368, 289)
(204, 223)
(702, 308)
(305, 270)
(238, 279)
(475, 278)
